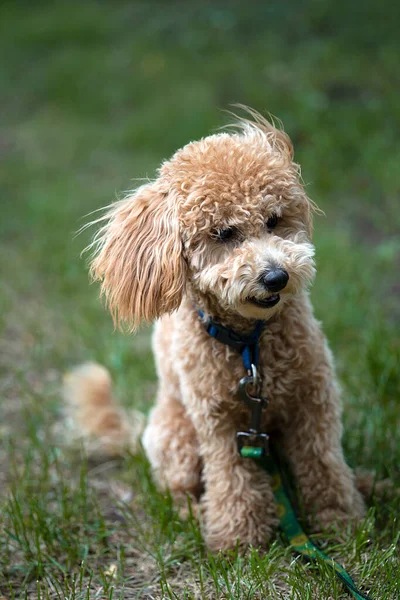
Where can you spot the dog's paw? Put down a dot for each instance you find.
(336, 522)
(238, 529)
(370, 487)
(343, 518)
(187, 505)
(236, 540)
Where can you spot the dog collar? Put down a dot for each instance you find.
(246, 345)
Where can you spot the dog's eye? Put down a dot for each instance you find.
(272, 221)
(224, 234)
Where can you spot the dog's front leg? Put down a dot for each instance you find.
(312, 443)
(238, 502)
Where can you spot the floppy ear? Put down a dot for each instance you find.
(138, 257)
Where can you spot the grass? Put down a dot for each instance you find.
(97, 93)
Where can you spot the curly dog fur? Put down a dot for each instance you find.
(223, 213)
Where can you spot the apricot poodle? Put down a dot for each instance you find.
(225, 229)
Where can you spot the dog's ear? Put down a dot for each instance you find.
(138, 257)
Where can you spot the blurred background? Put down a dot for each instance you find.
(95, 94)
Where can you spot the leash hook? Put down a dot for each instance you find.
(252, 372)
(252, 441)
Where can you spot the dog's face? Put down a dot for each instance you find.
(245, 222)
(227, 215)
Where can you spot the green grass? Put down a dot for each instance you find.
(94, 94)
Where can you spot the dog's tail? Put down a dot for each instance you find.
(94, 415)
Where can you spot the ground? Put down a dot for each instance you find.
(96, 94)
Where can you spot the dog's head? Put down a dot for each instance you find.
(227, 218)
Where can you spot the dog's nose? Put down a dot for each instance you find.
(275, 279)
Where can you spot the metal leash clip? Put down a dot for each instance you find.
(253, 442)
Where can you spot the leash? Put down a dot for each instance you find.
(298, 540)
(255, 444)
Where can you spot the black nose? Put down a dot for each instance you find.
(275, 279)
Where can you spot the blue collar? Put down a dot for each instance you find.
(246, 345)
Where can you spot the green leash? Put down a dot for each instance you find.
(289, 524)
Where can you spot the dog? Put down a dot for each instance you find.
(224, 232)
